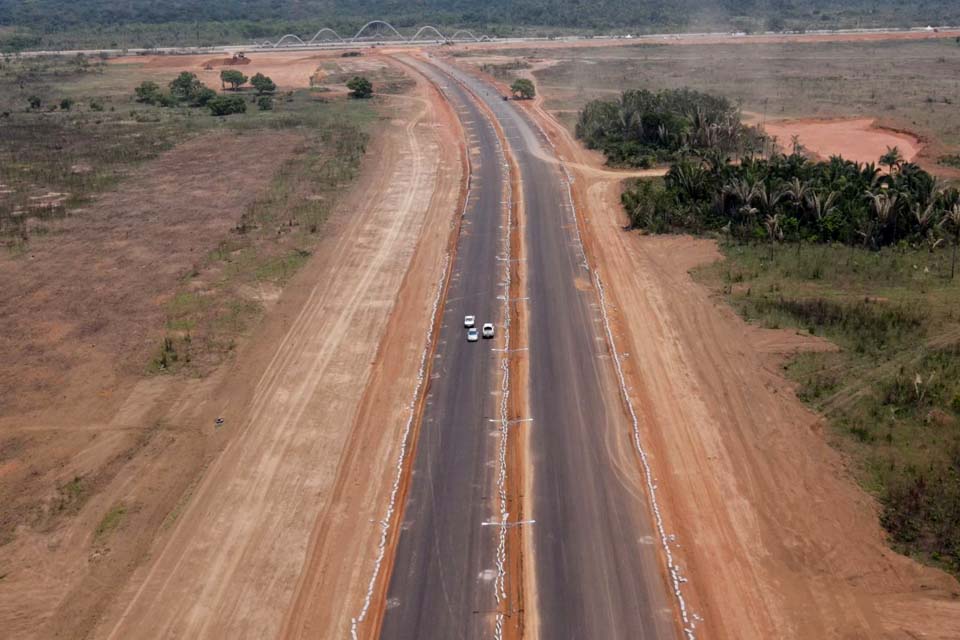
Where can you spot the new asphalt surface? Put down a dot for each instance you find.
(597, 569)
(442, 581)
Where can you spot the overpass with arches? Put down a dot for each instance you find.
(374, 31)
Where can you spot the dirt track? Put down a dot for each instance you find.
(229, 567)
(776, 538)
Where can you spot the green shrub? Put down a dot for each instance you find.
(227, 105)
(360, 87)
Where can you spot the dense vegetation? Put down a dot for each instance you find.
(44, 23)
(789, 198)
(643, 128)
(864, 256)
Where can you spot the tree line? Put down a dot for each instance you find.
(187, 90)
(45, 22)
(790, 198)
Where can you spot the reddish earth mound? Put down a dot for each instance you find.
(855, 139)
(226, 62)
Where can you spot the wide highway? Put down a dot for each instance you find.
(596, 565)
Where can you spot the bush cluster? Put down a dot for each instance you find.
(187, 90)
(791, 198)
(642, 127)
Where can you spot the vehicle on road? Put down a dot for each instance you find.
(469, 321)
(472, 335)
(488, 330)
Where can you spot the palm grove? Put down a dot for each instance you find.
(774, 196)
(864, 253)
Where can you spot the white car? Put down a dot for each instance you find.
(488, 330)
(472, 335)
(469, 321)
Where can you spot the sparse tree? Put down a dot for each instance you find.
(35, 102)
(360, 87)
(263, 84)
(232, 77)
(148, 92)
(892, 159)
(523, 89)
(202, 97)
(951, 223)
(185, 86)
(66, 104)
(265, 103)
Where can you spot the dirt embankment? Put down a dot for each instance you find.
(288, 510)
(774, 535)
(344, 541)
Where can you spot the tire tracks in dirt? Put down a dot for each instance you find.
(231, 563)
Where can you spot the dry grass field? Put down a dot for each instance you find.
(905, 85)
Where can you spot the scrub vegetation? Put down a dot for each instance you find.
(891, 393)
(90, 133)
(864, 256)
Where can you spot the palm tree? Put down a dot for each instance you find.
(951, 223)
(884, 208)
(926, 216)
(767, 198)
(741, 189)
(821, 207)
(774, 232)
(892, 159)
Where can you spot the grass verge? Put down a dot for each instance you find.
(891, 393)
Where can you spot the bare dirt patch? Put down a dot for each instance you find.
(289, 70)
(858, 139)
(85, 306)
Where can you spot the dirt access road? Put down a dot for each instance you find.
(776, 539)
(230, 565)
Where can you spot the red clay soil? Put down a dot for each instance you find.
(774, 535)
(857, 139)
(84, 312)
(300, 485)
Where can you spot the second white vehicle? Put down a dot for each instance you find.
(488, 330)
(472, 335)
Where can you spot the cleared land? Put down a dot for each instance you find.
(299, 419)
(904, 85)
(778, 539)
(143, 355)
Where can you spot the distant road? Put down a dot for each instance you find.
(820, 34)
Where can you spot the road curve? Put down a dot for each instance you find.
(597, 569)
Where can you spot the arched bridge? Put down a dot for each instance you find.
(375, 31)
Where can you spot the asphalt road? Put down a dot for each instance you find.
(442, 580)
(598, 574)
